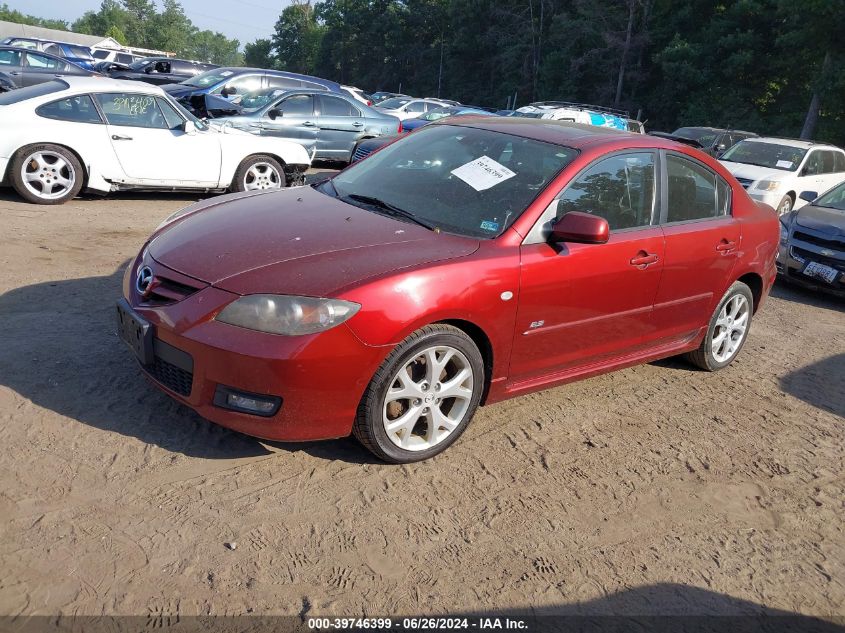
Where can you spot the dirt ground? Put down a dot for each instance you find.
(654, 490)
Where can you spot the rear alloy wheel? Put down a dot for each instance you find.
(258, 173)
(423, 396)
(46, 174)
(727, 331)
(785, 205)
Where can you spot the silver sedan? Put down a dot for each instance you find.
(330, 123)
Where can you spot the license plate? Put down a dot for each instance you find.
(820, 271)
(136, 332)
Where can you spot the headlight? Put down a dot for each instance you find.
(767, 185)
(291, 316)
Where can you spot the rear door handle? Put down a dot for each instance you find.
(308, 124)
(644, 259)
(117, 137)
(725, 246)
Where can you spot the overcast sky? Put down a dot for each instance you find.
(245, 20)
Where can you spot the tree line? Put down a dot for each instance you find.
(769, 66)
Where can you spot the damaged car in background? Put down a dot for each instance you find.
(105, 135)
(812, 242)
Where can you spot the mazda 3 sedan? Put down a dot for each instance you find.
(466, 263)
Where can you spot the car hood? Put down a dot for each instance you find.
(822, 219)
(296, 241)
(753, 172)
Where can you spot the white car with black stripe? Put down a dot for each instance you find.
(102, 135)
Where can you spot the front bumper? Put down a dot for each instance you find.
(320, 378)
(793, 258)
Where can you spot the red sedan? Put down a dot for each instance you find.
(470, 262)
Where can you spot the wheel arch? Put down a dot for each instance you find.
(755, 282)
(482, 342)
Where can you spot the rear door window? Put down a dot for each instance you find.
(693, 192)
(78, 109)
(10, 58)
(42, 62)
(332, 106)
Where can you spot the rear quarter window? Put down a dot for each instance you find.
(77, 109)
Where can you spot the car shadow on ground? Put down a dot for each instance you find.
(799, 294)
(819, 384)
(59, 349)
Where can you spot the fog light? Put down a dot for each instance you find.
(245, 402)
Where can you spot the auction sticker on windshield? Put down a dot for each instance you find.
(483, 173)
(785, 164)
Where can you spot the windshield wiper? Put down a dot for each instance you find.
(392, 210)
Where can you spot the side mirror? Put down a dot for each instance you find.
(274, 113)
(227, 91)
(809, 196)
(188, 127)
(576, 226)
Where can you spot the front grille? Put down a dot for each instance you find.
(165, 290)
(360, 152)
(175, 379)
(745, 182)
(833, 244)
(838, 264)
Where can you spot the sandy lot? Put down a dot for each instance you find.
(658, 489)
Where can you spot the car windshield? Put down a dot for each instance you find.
(392, 104)
(462, 180)
(139, 65)
(770, 155)
(253, 101)
(209, 78)
(439, 113)
(707, 138)
(833, 199)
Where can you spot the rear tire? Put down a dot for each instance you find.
(422, 397)
(46, 174)
(257, 173)
(727, 331)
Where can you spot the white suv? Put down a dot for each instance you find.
(777, 171)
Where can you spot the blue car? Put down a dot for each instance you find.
(409, 125)
(74, 53)
(234, 83)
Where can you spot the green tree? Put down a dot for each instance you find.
(297, 38)
(259, 54)
(13, 15)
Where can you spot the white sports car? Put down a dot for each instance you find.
(104, 135)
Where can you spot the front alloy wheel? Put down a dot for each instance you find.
(423, 396)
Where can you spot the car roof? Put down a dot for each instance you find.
(276, 73)
(790, 142)
(106, 84)
(714, 129)
(23, 49)
(566, 133)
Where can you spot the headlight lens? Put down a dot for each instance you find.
(767, 185)
(290, 316)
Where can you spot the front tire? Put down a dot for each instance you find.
(727, 331)
(422, 397)
(785, 205)
(46, 174)
(258, 173)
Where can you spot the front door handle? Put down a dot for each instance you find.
(357, 124)
(117, 137)
(308, 124)
(644, 260)
(725, 246)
